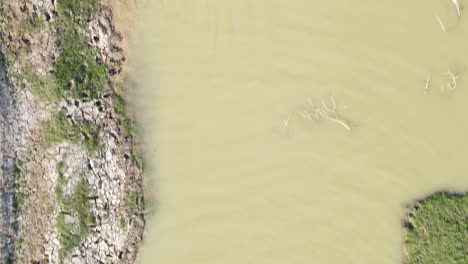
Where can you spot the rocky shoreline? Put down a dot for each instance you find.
(71, 174)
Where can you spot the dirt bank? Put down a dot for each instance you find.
(71, 178)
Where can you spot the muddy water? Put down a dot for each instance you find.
(246, 162)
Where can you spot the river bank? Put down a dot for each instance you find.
(71, 174)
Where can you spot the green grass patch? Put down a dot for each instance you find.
(59, 128)
(437, 230)
(135, 203)
(77, 68)
(77, 71)
(127, 124)
(69, 239)
(77, 205)
(19, 174)
(7, 57)
(20, 196)
(60, 181)
(120, 105)
(30, 23)
(19, 241)
(45, 88)
(122, 224)
(138, 160)
(78, 9)
(91, 135)
(60, 167)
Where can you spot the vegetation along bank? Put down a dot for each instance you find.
(436, 230)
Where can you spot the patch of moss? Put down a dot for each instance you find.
(437, 230)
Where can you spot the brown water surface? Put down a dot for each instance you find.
(243, 175)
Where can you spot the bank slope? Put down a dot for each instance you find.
(71, 177)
